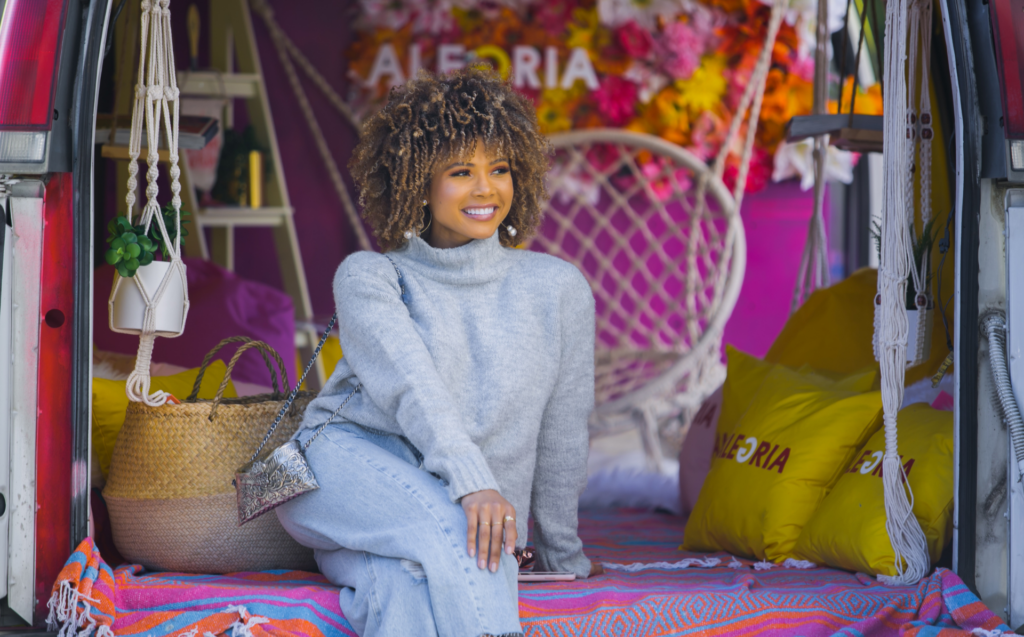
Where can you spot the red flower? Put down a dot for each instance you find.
(760, 172)
(635, 40)
(616, 100)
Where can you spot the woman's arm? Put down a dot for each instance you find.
(388, 356)
(561, 471)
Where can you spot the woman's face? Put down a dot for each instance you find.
(469, 199)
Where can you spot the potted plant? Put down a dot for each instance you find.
(919, 303)
(143, 258)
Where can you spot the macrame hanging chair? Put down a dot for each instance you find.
(665, 253)
(153, 302)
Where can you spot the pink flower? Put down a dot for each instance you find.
(554, 15)
(616, 100)
(679, 49)
(636, 41)
(761, 163)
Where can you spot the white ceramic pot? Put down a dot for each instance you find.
(129, 307)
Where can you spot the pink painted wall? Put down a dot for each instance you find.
(775, 221)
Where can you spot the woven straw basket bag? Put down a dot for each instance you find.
(169, 493)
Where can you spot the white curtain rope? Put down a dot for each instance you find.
(896, 265)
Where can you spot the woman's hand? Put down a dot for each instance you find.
(488, 515)
(596, 569)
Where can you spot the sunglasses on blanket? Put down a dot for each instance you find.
(525, 557)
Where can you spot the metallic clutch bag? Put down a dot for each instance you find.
(262, 485)
(265, 483)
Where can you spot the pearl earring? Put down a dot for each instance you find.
(511, 230)
(408, 235)
(424, 203)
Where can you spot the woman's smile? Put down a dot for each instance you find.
(478, 213)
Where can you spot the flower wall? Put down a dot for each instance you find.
(671, 68)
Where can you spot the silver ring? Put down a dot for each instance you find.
(509, 518)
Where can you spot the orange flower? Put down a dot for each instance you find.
(867, 103)
(786, 95)
(729, 5)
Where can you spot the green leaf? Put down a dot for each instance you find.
(118, 244)
(129, 237)
(122, 269)
(146, 258)
(112, 257)
(123, 224)
(133, 264)
(145, 243)
(112, 227)
(134, 250)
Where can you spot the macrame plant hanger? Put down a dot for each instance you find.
(156, 106)
(904, 20)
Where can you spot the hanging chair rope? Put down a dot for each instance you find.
(156, 104)
(813, 271)
(286, 51)
(905, 534)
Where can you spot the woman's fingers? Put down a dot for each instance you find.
(497, 528)
(471, 526)
(511, 535)
(486, 528)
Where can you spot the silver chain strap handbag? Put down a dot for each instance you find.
(284, 474)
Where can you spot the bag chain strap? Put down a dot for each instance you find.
(309, 366)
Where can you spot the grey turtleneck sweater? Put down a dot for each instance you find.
(487, 368)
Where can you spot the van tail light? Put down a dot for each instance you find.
(31, 34)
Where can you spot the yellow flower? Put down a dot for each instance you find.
(705, 88)
(671, 110)
(561, 97)
(586, 31)
(552, 119)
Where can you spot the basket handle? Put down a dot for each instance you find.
(240, 339)
(260, 345)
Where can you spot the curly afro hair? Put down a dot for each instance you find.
(432, 120)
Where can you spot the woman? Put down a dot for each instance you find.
(476, 365)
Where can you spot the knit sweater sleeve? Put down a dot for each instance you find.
(561, 470)
(388, 356)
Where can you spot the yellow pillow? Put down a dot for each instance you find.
(109, 403)
(848, 529)
(769, 475)
(832, 331)
(746, 373)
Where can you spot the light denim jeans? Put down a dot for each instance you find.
(385, 531)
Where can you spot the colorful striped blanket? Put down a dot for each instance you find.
(713, 596)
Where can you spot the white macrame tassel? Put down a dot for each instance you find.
(905, 534)
(156, 103)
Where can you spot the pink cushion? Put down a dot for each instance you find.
(695, 454)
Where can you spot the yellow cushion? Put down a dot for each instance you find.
(109, 403)
(848, 529)
(746, 373)
(769, 474)
(832, 331)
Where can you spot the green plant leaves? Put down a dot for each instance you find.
(131, 247)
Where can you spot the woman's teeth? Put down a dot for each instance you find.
(480, 212)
